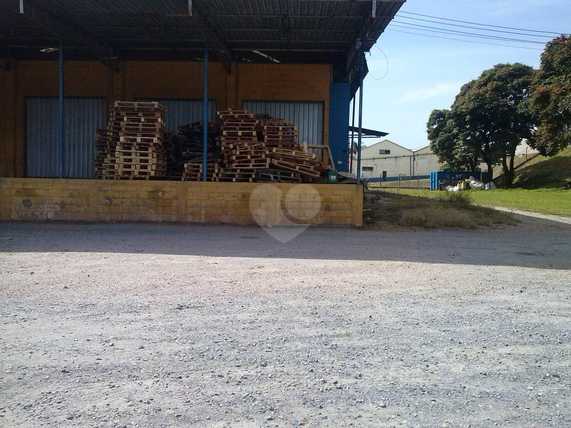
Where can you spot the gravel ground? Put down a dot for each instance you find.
(162, 325)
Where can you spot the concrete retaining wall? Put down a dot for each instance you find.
(28, 199)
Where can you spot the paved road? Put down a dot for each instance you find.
(539, 216)
(161, 325)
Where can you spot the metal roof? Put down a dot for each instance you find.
(237, 30)
(368, 133)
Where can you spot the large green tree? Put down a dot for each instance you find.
(446, 142)
(493, 114)
(551, 98)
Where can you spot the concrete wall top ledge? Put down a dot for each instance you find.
(37, 199)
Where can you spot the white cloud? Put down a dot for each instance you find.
(437, 90)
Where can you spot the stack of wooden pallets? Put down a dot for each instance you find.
(296, 160)
(186, 146)
(242, 154)
(262, 150)
(278, 133)
(139, 130)
(193, 171)
(105, 155)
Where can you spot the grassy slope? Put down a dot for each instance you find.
(388, 209)
(545, 201)
(543, 172)
(539, 188)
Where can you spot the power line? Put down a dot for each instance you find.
(466, 41)
(432, 21)
(466, 33)
(481, 24)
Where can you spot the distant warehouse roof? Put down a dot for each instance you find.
(285, 31)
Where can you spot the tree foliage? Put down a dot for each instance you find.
(445, 142)
(488, 120)
(551, 98)
(494, 115)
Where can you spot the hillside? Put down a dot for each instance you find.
(544, 172)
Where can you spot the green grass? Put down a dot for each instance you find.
(539, 187)
(544, 172)
(389, 209)
(546, 201)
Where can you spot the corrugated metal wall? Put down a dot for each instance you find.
(307, 116)
(82, 117)
(182, 112)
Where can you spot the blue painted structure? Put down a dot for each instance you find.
(393, 179)
(339, 124)
(205, 117)
(440, 179)
(61, 114)
(360, 131)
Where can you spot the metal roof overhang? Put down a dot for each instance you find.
(257, 31)
(368, 133)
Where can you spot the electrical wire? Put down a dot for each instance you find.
(553, 33)
(465, 33)
(473, 27)
(466, 41)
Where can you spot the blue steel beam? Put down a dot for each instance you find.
(360, 134)
(205, 117)
(352, 149)
(61, 116)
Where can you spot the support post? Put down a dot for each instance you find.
(360, 135)
(61, 115)
(205, 117)
(352, 150)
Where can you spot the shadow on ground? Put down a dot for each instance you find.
(531, 244)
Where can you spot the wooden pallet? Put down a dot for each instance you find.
(277, 175)
(193, 171)
(138, 139)
(293, 153)
(292, 166)
(134, 145)
(237, 115)
(243, 157)
(232, 133)
(138, 105)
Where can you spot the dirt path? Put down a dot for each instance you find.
(126, 325)
(548, 217)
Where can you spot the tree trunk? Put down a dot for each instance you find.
(490, 171)
(508, 169)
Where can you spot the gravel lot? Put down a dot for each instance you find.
(162, 325)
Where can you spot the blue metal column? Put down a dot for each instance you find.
(352, 150)
(360, 135)
(340, 94)
(205, 117)
(61, 102)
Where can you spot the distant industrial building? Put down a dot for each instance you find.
(387, 159)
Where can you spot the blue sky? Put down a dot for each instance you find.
(412, 75)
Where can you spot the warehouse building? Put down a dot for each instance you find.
(387, 159)
(65, 62)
